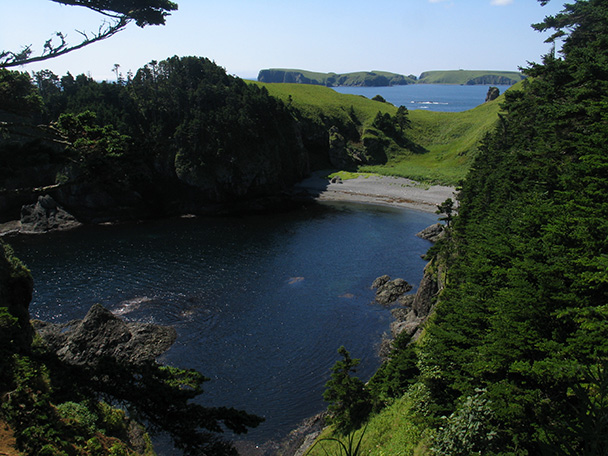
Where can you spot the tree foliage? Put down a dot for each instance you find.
(523, 315)
(349, 400)
(117, 15)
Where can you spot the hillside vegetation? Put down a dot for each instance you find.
(514, 360)
(440, 145)
(470, 77)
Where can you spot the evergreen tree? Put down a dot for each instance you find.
(523, 316)
(349, 400)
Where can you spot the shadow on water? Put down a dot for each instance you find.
(260, 303)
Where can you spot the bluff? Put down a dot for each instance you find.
(357, 79)
(471, 77)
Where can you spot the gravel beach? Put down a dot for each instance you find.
(376, 189)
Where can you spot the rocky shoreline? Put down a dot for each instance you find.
(409, 310)
(46, 215)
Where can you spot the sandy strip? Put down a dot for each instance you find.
(375, 189)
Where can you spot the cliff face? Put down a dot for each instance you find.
(358, 79)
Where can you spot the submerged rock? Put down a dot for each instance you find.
(102, 335)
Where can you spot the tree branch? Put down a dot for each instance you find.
(11, 59)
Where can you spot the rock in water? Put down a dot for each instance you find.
(493, 93)
(432, 233)
(45, 216)
(102, 335)
(389, 291)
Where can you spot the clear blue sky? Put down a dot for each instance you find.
(244, 36)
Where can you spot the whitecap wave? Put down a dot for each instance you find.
(130, 305)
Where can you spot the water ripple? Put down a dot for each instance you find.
(260, 304)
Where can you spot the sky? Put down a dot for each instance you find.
(245, 36)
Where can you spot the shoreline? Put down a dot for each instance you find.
(376, 189)
(372, 189)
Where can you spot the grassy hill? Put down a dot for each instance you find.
(323, 102)
(446, 142)
(450, 140)
(470, 77)
(361, 78)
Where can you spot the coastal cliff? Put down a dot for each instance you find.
(358, 79)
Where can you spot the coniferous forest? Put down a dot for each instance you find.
(522, 326)
(514, 359)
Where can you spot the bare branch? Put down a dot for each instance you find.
(9, 59)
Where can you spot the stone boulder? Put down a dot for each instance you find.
(46, 215)
(389, 291)
(493, 93)
(103, 335)
(432, 233)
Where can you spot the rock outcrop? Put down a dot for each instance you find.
(416, 311)
(389, 291)
(101, 335)
(432, 233)
(44, 216)
(492, 94)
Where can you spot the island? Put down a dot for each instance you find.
(386, 79)
(358, 79)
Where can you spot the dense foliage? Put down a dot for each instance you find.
(178, 136)
(522, 323)
(514, 360)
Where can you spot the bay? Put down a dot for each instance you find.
(432, 97)
(261, 303)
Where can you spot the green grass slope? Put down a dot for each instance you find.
(447, 142)
(450, 142)
(470, 77)
(320, 102)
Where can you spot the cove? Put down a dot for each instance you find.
(432, 97)
(261, 303)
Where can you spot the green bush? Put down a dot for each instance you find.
(79, 415)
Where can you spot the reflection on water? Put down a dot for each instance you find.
(261, 304)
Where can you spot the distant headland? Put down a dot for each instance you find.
(384, 78)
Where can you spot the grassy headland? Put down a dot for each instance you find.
(470, 77)
(449, 140)
(360, 78)
(385, 78)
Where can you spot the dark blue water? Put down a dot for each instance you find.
(261, 304)
(434, 97)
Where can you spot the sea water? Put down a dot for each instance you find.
(261, 304)
(433, 97)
